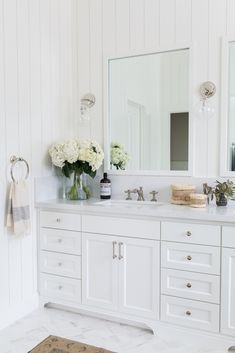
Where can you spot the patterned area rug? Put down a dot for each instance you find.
(53, 344)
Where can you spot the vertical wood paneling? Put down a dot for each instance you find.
(167, 22)
(217, 29)
(12, 129)
(36, 80)
(137, 24)
(230, 17)
(183, 20)
(96, 61)
(200, 37)
(123, 25)
(4, 270)
(109, 27)
(152, 23)
(24, 128)
(84, 58)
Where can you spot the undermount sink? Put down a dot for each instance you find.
(128, 203)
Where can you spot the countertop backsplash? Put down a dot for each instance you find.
(47, 188)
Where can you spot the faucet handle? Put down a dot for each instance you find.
(154, 193)
(128, 192)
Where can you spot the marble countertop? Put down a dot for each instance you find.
(211, 213)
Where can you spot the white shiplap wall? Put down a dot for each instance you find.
(114, 27)
(38, 105)
(51, 52)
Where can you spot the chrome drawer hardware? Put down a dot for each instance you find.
(60, 287)
(114, 248)
(188, 313)
(120, 251)
(58, 220)
(60, 264)
(189, 258)
(188, 233)
(189, 285)
(60, 240)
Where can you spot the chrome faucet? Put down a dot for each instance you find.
(140, 193)
(129, 192)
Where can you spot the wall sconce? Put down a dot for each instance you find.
(87, 102)
(205, 108)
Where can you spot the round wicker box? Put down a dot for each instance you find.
(181, 193)
(198, 200)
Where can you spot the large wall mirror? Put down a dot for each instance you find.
(228, 109)
(148, 120)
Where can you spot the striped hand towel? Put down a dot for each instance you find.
(18, 215)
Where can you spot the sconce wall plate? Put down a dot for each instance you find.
(207, 89)
(87, 102)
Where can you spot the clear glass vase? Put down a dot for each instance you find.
(78, 188)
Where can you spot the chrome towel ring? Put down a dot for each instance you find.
(15, 160)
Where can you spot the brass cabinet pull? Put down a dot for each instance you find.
(114, 248)
(188, 313)
(189, 258)
(120, 251)
(189, 285)
(188, 233)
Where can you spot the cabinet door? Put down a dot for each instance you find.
(139, 277)
(99, 271)
(228, 292)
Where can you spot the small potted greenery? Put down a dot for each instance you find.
(223, 191)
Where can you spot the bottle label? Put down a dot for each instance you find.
(105, 189)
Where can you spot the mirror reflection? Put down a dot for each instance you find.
(149, 111)
(231, 108)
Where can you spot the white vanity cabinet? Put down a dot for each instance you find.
(190, 275)
(121, 272)
(60, 257)
(143, 270)
(228, 282)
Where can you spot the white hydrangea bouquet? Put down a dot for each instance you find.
(77, 157)
(118, 156)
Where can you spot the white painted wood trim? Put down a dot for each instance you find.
(106, 126)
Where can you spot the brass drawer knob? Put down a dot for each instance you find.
(189, 258)
(188, 313)
(188, 233)
(189, 285)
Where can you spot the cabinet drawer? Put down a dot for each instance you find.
(56, 287)
(190, 313)
(191, 285)
(60, 220)
(191, 233)
(60, 264)
(60, 240)
(196, 258)
(228, 237)
(121, 226)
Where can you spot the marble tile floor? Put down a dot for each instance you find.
(29, 331)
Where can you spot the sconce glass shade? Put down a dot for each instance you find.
(205, 107)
